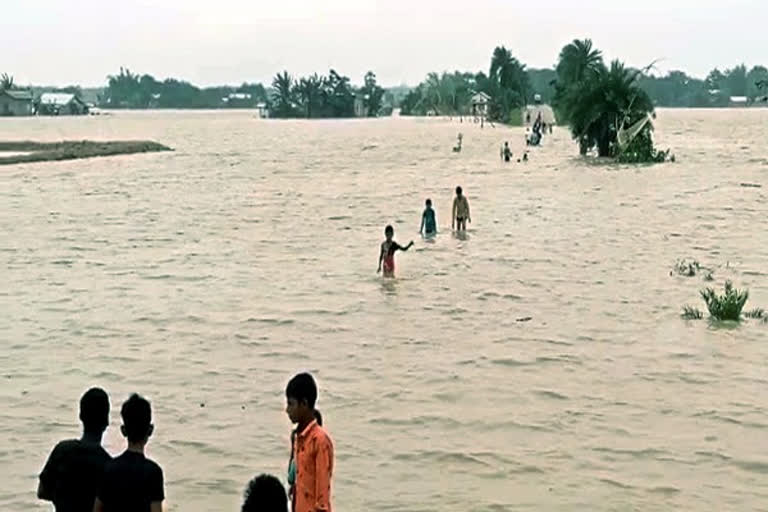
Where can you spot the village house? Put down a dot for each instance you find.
(15, 103)
(480, 104)
(238, 100)
(739, 101)
(60, 104)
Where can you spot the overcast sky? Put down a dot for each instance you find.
(61, 42)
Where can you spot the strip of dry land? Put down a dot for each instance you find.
(29, 151)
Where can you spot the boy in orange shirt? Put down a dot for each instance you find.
(313, 448)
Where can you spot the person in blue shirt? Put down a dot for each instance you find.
(428, 220)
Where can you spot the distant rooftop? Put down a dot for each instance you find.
(56, 98)
(18, 94)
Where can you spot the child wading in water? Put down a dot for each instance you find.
(387, 254)
(460, 211)
(428, 222)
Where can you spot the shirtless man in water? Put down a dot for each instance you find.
(460, 211)
(387, 254)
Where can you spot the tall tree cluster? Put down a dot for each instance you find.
(330, 96)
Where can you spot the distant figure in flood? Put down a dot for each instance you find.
(461, 213)
(428, 220)
(75, 467)
(265, 493)
(132, 482)
(457, 147)
(525, 156)
(506, 153)
(387, 254)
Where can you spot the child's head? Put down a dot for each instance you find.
(429, 203)
(265, 493)
(301, 395)
(389, 232)
(458, 191)
(94, 410)
(137, 419)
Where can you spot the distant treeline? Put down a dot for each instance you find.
(509, 84)
(129, 90)
(450, 93)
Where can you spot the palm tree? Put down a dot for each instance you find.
(283, 94)
(577, 61)
(6, 82)
(432, 93)
(510, 83)
(600, 104)
(309, 91)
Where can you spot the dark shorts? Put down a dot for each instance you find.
(460, 219)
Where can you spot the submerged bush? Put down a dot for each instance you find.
(691, 313)
(687, 268)
(727, 306)
(756, 313)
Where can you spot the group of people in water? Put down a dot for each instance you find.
(80, 476)
(460, 215)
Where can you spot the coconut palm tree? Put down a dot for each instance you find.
(577, 61)
(309, 91)
(600, 104)
(509, 84)
(6, 82)
(283, 94)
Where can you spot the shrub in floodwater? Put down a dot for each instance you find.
(687, 268)
(727, 306)
(756, 313)
(708, 276)
(691, 313)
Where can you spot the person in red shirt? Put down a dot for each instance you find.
(313, 448)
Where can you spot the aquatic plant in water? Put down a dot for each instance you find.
(687, 268)
(691, 313)
(727, 306)
(756, 313)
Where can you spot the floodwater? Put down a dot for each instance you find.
(537, 363)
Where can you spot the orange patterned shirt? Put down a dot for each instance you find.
(314, 467)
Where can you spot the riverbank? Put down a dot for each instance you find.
(29, 151)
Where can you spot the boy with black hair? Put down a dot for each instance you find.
(265, 493)
(313, 448)
(132, 482)
(74, 469)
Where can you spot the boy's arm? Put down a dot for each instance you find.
(381, 257)
(453, 215)
(400, 247)
(323, 468)
(156, 491)
(469, 215)
(46, 485)
(423, 220)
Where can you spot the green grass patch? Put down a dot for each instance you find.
(725, 306)
(691, 313)
(73, 150)
(756, 313)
